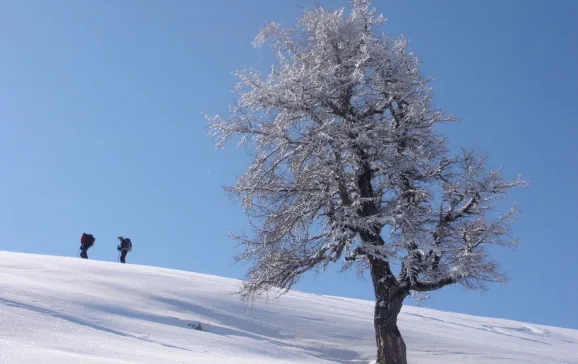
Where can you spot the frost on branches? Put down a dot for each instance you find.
(347, 166)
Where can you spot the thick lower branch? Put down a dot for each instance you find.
(420, 286)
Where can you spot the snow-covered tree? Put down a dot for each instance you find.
(347, 166)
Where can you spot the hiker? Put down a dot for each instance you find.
(86, 241)
(124, 247)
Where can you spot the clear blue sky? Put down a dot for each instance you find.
(100, 130)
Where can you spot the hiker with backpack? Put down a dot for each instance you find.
(86, 241)
(124, 247)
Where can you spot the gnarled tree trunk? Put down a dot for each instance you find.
(389, 298)
(390, 345)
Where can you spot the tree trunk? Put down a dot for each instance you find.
(389, 298)
(390, 344)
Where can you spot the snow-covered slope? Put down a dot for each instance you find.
(56, 310)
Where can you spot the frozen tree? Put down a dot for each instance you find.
(346, 165)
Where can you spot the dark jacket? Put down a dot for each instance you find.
(125, 244)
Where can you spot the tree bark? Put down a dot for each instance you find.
(390, 345)
(389, 298)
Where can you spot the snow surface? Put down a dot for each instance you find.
(56, 310)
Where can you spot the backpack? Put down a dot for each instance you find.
(87, 240)
(126, 245)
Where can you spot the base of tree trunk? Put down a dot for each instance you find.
(390, 345)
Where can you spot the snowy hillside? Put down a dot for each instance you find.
(56, 310)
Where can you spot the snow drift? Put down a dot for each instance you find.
(57, 310)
